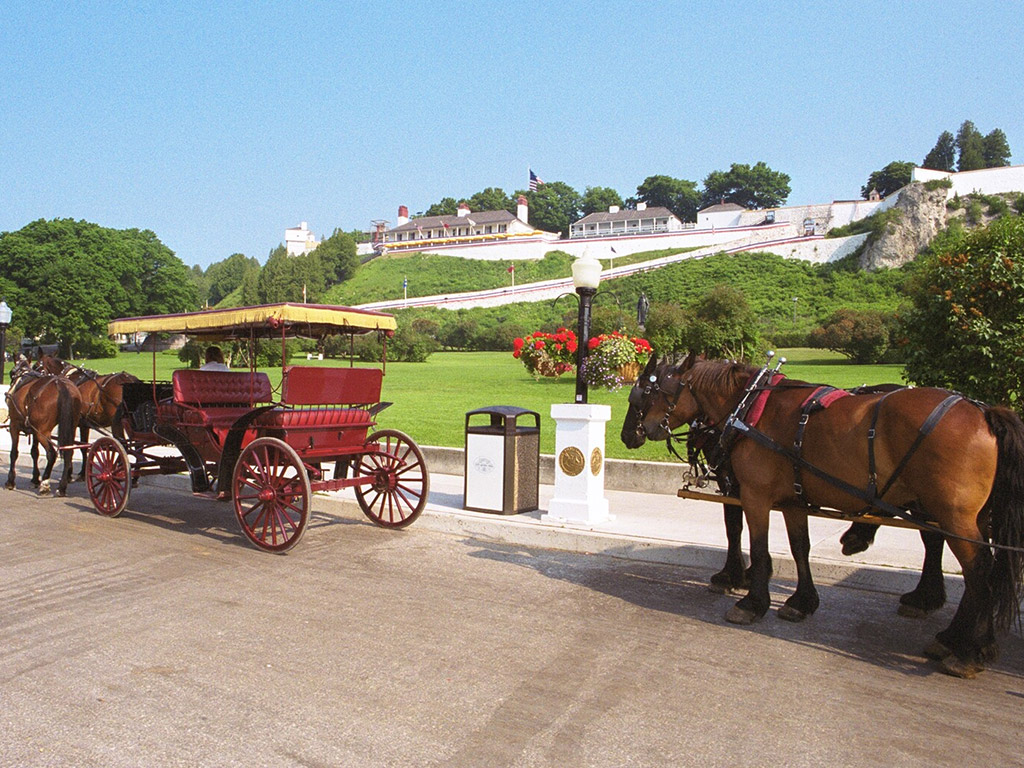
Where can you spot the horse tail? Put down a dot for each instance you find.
(1006, 508)
(68, 415)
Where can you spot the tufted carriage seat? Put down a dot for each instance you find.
(214, 398)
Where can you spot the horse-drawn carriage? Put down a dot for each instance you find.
(265, 451)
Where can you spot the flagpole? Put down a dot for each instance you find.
(405, 291)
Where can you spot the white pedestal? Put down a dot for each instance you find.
(579, 464)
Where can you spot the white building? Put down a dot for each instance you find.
(299, 240)
(474, 234)
(616, 222)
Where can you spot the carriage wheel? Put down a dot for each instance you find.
(108, 476)
(398, 492)
(271, 493)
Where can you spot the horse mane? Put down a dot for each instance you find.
(719, 377)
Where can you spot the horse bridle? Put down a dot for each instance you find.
(640, 394)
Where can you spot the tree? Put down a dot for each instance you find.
(553, 207)
(447, 206)
(492, 199)
(996, 149)
(722, 325)
(863, 336)
(338, 256)
(942, 156)
(678, 195)
(598, 199)
(892, 177)
(284, 277)
(756, 186)
(965, 330)
(227, 275)
(971, 146)
(71, 278)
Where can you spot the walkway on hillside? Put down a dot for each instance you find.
(547, 290)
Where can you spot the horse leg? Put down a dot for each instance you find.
(51, 459)
(83, 431)
(969, 640)
(34, 452)
(757, 600)
(733, 577)
(9, 485)
(858, 537)
(804, 601)
(930, 593)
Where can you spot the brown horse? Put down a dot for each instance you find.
(703, 454)
(38, 402)
(101, 396)
(953, 462)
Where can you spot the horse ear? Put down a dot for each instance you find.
(652, 364)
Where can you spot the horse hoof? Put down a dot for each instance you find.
(737, 615)
(937, 650)
(956, 667)
(912, 611)
(61, 493)
(853, 544)
(725, 589)
(9, 486)
(789, 613)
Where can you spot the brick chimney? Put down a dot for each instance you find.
(403, 215)
(522, 209)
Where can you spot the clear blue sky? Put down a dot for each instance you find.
(217, 125)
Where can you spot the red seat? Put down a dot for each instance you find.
(313, 417)
(199, 388)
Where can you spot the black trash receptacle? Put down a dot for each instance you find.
(502, 472)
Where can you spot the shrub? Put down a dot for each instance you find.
(407, 346)
(944, 183)
(95, 347)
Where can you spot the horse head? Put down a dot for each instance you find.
(654, 400)
(50, 364)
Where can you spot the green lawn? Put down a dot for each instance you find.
(431, 399)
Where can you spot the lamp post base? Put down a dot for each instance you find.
(579, 464)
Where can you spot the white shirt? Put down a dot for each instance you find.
(214, 366)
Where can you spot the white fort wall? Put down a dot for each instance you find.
(988, 181)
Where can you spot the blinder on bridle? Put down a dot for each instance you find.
(645, 389)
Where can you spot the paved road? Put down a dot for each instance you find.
(161, 639)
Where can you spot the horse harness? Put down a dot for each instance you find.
(24, 379)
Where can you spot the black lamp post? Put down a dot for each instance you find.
(586, 275)
(5, 320)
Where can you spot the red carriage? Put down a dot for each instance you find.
(264, 451)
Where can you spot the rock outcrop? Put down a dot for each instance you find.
(922, 214)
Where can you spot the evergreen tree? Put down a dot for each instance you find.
(943, 155)
(971, 145)
(996, 149)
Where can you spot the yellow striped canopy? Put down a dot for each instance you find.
(265, 321)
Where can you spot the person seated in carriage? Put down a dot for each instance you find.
(214, 360)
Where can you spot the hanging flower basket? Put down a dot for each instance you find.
(629, 372)
(547, 354)
(614, 359)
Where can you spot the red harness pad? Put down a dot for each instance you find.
(826, 399)
(761, 400)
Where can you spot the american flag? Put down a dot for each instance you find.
(535, 181)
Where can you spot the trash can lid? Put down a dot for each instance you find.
(503, 410)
